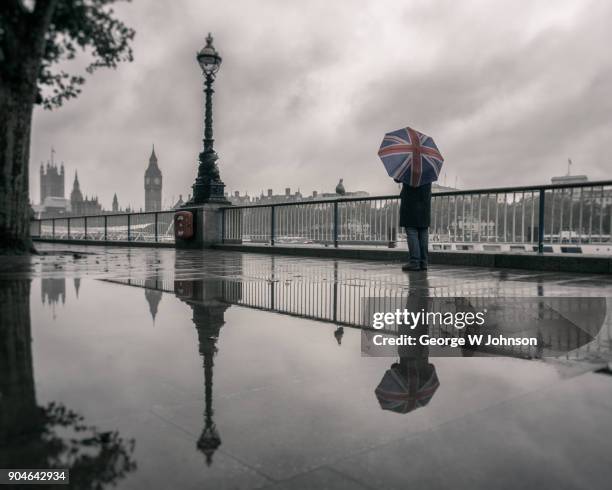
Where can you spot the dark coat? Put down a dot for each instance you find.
(415, 206)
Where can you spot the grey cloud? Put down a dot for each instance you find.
(306, 91)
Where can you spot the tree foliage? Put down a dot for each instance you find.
(75, 26)
(87, 25)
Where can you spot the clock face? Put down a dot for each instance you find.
(147, 180)
(156, 181)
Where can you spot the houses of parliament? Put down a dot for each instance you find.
(54, 204)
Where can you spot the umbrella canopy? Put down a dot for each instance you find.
(411, 157)
(561, 324)
(405, 393)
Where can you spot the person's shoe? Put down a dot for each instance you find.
(410, 267)
(423, 267)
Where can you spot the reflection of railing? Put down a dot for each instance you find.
(351, 303)
(536, 216)
(132, 227)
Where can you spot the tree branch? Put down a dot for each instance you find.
(40, 20)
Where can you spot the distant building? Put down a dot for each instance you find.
(178, 204)
(153, 297)
(52, 207)
(332, 195)
(237, 199)
(80, 206)
(51, 180)
(441, 188)
(270, 198)
(153, 184)
(569, 179)
(53, 291)
(602, 196)
(52, 201)
(115, 204)
(53, 204)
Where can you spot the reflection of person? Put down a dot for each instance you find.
(411, 382)
(415, 211)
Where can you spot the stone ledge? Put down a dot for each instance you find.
(110, 243)
(558, 263)
(589, 264)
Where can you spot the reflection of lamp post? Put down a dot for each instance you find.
(208, 318)
(209, 440)
(208, 185)
(204, 299)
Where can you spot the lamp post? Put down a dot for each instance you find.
(208, 185)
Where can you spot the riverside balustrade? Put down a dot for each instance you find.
(551, 218)
(155, 227)
(535, 218)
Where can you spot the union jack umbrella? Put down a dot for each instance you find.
(403, 394)
(411, 157)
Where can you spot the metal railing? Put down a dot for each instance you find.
(153, 227)
(559, 218)
(566, 216)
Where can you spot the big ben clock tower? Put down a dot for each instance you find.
(153, 184)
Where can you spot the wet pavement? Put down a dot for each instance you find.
(205, 369)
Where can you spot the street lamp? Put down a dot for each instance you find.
(208, 185)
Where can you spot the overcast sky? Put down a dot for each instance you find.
(508, 89)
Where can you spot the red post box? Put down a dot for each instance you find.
(183, 225)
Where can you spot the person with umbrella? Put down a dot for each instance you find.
(413, 159)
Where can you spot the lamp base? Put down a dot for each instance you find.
(204, 192)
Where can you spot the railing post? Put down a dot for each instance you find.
(128, 227)
(272, 229)
(68, 225)
(222, 225)
(85, 226)
(156, 221)
(335, 297)
(336, 224)
(541, 222)
(53, 228)
(392, 237)
(105, 228)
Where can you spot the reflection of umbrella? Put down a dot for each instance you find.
(561, 324)
(410, 157)
(403, 394)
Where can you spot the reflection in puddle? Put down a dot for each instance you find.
(51, 436)
(205, 298)
(411, 382)
(244, 370)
